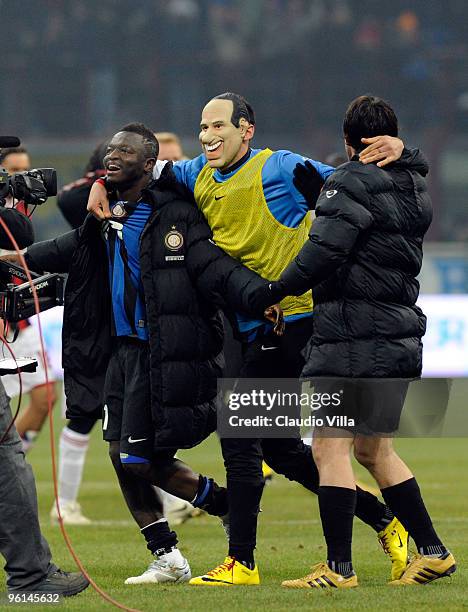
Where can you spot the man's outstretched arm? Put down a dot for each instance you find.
(53, 255)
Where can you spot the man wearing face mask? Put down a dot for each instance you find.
(259, 217)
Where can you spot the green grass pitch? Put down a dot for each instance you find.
(289, 539)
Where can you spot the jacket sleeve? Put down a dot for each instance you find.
(220, 278)
(341, 215)
(72, 202)
(53, 255)
(20, 227)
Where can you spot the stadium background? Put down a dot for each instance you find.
(75, 70)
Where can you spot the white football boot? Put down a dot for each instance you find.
(71, 514)
(171, 567)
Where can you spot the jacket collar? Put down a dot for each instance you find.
(411, 159)
(165, 188)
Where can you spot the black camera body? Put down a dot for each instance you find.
(33, 186)
(17, 301)
(17, 304)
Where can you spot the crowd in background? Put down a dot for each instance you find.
(74, 68)
(116, 58)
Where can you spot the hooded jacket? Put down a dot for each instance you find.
(362, 258)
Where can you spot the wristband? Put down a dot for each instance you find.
(107, 186)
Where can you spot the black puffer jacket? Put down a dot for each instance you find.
(183, 288)
(362, 258)
(73, 198)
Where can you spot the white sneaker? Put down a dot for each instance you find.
(71, 514)
(164, 570)
(179, 511)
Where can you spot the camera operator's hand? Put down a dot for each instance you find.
(11, 258)
(98, 202)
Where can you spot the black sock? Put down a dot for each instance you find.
(345, 568)
(211, 497)
(407, 504)
(249, 564)
(159, 538)
(244, 506)
(337, 506)
(372, 511)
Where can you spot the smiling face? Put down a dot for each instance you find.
(222, 142)
(126, 159)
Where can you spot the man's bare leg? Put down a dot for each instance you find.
(402, 494)
(31, 420)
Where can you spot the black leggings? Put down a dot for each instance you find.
(289, 456)
(243, 456)
(82, 425)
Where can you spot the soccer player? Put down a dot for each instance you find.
(75, 436)
(136, 325)
(259, 217)
(362, 258)
(177, 510)
(170, 147)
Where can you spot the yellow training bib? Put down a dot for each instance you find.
(244, 227)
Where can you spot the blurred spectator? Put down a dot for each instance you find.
(407, 26)
(296, 59)
(72, 199)
(368, 35)
(15, 159)
(170, 146)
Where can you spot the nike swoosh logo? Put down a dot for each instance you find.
(131, 441)
(218, 197)
(401, 543)
(268, 348)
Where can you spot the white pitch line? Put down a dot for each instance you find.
(457, 519)
(112, 484)
(263, 521)
(95, 485)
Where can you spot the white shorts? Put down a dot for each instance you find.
(27, 345)
(51, 325)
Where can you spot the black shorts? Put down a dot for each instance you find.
(127, 399)
(370, 407)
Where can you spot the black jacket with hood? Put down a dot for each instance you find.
(362, 258)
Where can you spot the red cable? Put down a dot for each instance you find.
(77, 560)
(20, 395)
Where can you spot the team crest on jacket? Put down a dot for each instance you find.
(119, 210)
(174, 240)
